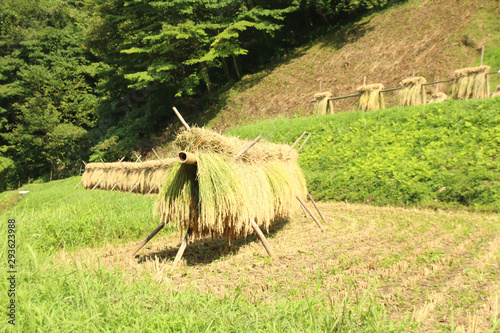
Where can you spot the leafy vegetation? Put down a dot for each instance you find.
(436, 155)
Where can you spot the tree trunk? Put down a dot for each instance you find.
(206, 77)
(236, 67)
(226, 69)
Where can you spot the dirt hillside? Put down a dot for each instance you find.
(432, 38)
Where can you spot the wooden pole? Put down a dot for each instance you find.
(482, 55)
(115, 185)
(158, 157)
(247, 147)
(364, 80)
(310, 213)
(84, 163)
(147, 239)
(80, 170)
(183, 247)
(152, 188)
(315, 206)
(133, 187)
(296, 141)
(121, 161)
(181, 119)
(103, 164)
(138, 158)
(50, 179)
(303, 143)
(262, 238)
(28, 179)
(96, 185)
(303, 210)
(74, 188)
(18, 184)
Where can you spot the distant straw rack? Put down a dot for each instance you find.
(142, 177)
(219, 196)
(413, 92)
(323, 104)
(471, 82)
(371, 97)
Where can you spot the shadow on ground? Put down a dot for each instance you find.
(205, 251)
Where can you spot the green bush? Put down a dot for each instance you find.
(434, 155)
(7, 173)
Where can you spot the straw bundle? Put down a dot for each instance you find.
(323, 105)
(219, 196)
(497, 92)
(413, 92)
(471, 83)
(139, 177)
(438, 98)
(371, 98)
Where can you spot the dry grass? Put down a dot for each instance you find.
(497, 92)
(413, 92)
(471, 83)
(438, 97)
(127, 176)
(371, 98)
(439, 267)
(323, 105)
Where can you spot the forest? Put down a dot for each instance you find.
(96, 79)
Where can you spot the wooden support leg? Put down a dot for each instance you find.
(303, 210)
(183, 247)
(315, 206)
(147, 239)
(262, 238)
(78, 184)
(310, 213)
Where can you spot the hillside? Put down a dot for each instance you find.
(432, 38)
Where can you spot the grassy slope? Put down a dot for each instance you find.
(434, 155)
(434, 38)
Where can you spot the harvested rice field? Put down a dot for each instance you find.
(436, 269)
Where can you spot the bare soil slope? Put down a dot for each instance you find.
(438, 267)
(432, 38)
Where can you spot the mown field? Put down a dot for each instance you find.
(376, 269)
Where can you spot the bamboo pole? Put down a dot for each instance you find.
(315, 206)
(152, 188)
(103, 164)
(303, 143)
(310, 213)
(74, 188)
(296, 141)
(262, 238)
(115, 185)
(121, 161)
(147, 239)
(182, 248)
(50, 179)
(158, 156)
(138, 158)
(303, 210)
(84, 163)
(96, 184)
(482, 55)
(181, 119)
(247, 147)
(133, 187)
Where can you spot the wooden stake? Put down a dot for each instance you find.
(133, 187)
(315, 206)
(138, 158)
(151, 189)
(303, 143)
(364, 80)
(80, 170)
(84, 163)
(18, 184)
(181, 119)
(103, 164)
(183, 247)
(121, 161)
(74, 188)
(262, 238)
(50, 179)
(413, 72)
(310, 213)
(247, 147)
(147, 239)
(296, 141)
(115, 185)
(303, 211)
(28, 179)
(482, 55)
(158, 157)
(96, 185)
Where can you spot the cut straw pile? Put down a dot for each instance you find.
(471, 83)
(413, 92)
(218, 197)
(127, 176)
(371, 98)
(438, 97)
(323, 105)
(497, 92)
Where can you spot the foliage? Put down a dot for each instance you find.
(425, 155)
(7, 173)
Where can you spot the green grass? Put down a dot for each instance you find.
(436, 155)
